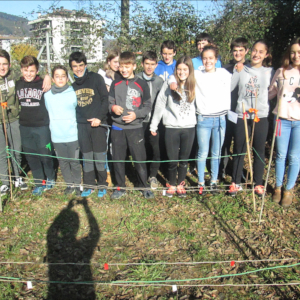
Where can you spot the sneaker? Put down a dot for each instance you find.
(181, 192)
(201, 188)
(4, 189)
(213, 187)
(76, 190)
(21, 184)
(234, 188)
(50, 183)
(153, 183)
(148, 194)
(117, 194)
(101, 193)
(69, 190)
(87, 192)
(277, 195)
(171, 191)
(259, 190)
(38, 190)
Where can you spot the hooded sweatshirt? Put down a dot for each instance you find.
(31, 97)
(175, 114)
(288, 88)
(249, 81)
(7, 86)
(132, 95)
(163, 70)
(62, 113)
(155, 84)
(92, 97)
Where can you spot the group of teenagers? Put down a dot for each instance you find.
(183, 100)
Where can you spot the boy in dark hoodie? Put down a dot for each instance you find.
(239, 48)
(166, 66)
(149, 63)
(91, 113)
(129, 104)
(34, 125)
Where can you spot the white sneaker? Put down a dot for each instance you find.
(4, 189)
(21, 184)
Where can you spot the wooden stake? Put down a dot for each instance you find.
(6, 142)
(270, 159)
(249, 155)
(252, 136)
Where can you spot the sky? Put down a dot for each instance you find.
(23, 8)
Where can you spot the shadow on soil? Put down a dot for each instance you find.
(65, 253)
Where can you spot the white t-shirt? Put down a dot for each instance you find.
(108, 81)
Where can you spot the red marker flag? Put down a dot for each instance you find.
(106, 266)
(232, 263)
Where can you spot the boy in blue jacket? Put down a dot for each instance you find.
(166, 66)
(202, 40)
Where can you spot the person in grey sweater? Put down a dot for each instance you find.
(177, 108)
(253, 83)
(149, 63)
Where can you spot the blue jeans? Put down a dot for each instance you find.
(287, 146)
(210, 127)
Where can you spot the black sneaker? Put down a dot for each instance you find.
(148, 194)
(76, 191)
(117, 194)
(213, 188)
(69, 190)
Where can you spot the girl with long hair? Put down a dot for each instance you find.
(253, 83)
(177, 108)
(286, 85)
(111, 68)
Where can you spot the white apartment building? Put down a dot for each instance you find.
(68, 32)
(6, 41)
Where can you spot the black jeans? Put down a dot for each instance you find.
(240, 146)
(229, 134)
(36, 140)
(92, 143)
(134, 140)
(152, 149)
(179, 142)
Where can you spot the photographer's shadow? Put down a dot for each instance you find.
(69, 257)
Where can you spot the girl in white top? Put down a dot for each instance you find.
(177, 108)
(110, 68)
(286, 85)
(213, 98)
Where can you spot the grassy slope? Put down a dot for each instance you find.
(132, 229)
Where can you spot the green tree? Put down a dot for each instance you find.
(240, 18)
(18, 51)
(285, 26)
